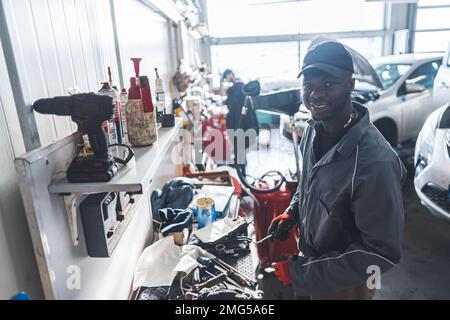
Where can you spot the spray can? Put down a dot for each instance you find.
(119, 117)
(123, 97)
(114, 126)
(160, 98)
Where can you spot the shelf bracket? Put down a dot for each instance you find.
(70, 202)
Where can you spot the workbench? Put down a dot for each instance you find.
(246, 263)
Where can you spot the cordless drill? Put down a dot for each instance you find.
(89, 111)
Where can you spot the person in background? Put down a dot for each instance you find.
(235, 101)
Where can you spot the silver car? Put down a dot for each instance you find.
(432, 163)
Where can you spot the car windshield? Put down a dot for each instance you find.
(389, 73)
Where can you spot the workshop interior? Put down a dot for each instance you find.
(152, 148)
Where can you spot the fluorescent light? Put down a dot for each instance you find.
(394, 1)
(263, 3)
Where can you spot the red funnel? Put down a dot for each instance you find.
(136, 62)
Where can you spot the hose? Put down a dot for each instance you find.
(253, 89)
(244, 181)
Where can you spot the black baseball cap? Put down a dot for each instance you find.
(330, 57)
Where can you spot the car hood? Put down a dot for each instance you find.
(364, 71)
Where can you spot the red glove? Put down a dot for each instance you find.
(282, 271)
(281, 226)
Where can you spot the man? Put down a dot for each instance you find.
(235, 101)
(235, 120)
(348, 205)
(235, 98)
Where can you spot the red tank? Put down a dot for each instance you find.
(271, 205)
(215, 138)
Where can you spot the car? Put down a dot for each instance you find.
(401, 102)
(432, 163)
(441, 88)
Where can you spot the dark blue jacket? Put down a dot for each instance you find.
(350, 210)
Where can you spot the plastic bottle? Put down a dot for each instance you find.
(160, 98)
(123, 102)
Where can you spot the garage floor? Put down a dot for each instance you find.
(424, 271)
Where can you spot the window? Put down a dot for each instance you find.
(390, 73)
(436, 20)
(433, 18)
(431, 41)
(234, 18)
(425, 74)
(276, 64)
(337, 16)
(433, 2)
(369, 47)
(278, 60)
(237, 18)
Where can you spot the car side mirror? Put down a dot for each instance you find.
(414, 88)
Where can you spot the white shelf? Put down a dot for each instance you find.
(135, 179)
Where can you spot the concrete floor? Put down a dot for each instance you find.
(424, 271)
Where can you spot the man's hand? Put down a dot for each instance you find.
(281, 226)
(282, 271)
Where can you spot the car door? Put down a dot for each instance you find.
(441, 91)
(415, 96)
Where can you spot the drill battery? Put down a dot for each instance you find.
(88, 168)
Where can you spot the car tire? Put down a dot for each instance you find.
(388, 129)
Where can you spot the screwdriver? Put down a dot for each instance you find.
(265, 238)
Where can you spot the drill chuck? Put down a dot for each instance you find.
(59, 106)
(85, 105)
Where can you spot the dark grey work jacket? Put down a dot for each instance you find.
(350, 210)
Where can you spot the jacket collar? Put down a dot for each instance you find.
(349, 141)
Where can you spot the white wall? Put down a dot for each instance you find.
(57, 44)
(143, 33)
(18, 268)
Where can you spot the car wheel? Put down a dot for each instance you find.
(388, 129)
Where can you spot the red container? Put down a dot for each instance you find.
(270, 206)
(215, 138)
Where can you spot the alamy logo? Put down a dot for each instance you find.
(374, 280)
(73, 281)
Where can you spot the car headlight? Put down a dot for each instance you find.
(447, 137)
(425, 142)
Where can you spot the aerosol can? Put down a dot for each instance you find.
(113, 128)
(123, 115)
(160, 104)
